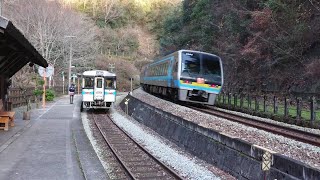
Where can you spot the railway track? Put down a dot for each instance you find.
(300, 135)
(135, 160)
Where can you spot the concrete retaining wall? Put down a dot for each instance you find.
(239, 158)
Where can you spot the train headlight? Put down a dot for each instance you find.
(187, 81)
(200, 80)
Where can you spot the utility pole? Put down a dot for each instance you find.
(1, 7)
(70, 60)
(62, 82)
(131, 85)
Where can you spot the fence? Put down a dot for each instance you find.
(300, 110)
(18, 97)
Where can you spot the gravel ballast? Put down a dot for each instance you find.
(185, 164)
(303, 152)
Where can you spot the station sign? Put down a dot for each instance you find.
(46, 72)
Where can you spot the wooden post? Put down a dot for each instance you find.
(298, 108)
(249, 101)
(312, 110)
(256, 104)
(275, 105)
(241, 101)
(219, 99)
(223, 98)
(78, 86)
(265, 103)
(235, 100)
(286, 107)
(229, 100)
(44, 90)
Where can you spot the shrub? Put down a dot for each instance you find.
(38, 92)
(50, 95)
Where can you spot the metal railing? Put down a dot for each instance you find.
(302, 110)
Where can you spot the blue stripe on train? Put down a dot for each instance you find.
(114, 93)
(180, 85)
(189, 86)
(86, 92)
(160, 78)
(166, 79)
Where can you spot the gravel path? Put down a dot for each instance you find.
(306, 153)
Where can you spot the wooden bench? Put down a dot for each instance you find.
(6, 117)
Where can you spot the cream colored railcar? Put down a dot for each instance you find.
(98, 89)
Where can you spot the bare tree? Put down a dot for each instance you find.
(46, 23)
(111, 11)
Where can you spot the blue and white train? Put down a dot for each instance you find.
(98, 89)
(185, 75)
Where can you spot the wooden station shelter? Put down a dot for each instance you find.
(15, 52)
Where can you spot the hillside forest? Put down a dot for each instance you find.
(265, 45)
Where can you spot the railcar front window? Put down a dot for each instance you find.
(211, 65)
(110, 83)
(203, 65)
(211, 68)
(190, 63)
(88, 82)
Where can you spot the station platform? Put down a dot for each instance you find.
(52, 145)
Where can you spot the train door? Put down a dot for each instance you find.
(98, 91)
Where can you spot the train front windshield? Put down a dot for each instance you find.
(88, 82)
(196, 65)
(110, 83)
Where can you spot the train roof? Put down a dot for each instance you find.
(179, 51)
(98, 73)
(194, 51)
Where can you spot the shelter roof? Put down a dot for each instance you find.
(15, 50)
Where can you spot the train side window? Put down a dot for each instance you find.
(163, 69)
(157, 71)
(166, 69)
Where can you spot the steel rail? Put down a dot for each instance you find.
(117, 156)
(300, 135)
(165, 167)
